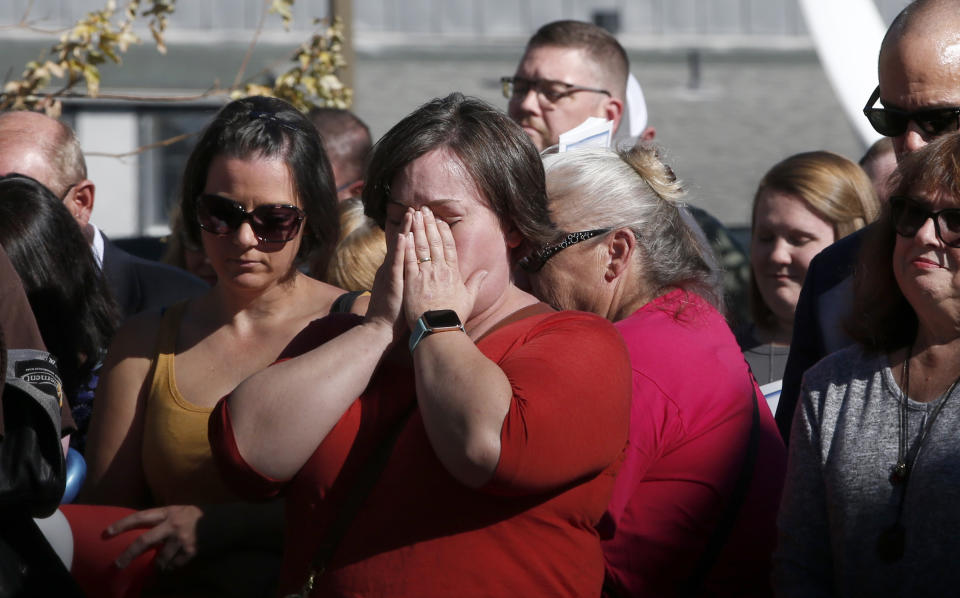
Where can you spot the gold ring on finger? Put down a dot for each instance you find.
(424, 259)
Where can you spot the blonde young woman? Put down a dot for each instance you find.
(802, 205)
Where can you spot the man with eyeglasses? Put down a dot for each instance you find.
(570, 71)
(919, 100)
(47, 150)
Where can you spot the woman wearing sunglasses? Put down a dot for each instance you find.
(258, 195)
(481, 450)
(696, 423)
(870, 502)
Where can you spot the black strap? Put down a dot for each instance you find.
(366, 480)
(721, 533)
(344, 303)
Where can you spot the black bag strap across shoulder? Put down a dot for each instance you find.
(354, 500)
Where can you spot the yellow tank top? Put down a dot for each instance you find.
(177, 462)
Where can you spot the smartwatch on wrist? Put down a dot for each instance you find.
(437, 320)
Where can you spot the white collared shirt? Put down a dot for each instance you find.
(97, 246)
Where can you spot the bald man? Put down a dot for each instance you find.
(347, 142)
(919, 93)
(47, 150)
(919, 72)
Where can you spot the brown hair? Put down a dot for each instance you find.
(608, 56)
(346, 139)
(269, 128)
(832, 186)
(882, 319)
(499, 157)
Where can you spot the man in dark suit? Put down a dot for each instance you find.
(920, 96)
(47, 150)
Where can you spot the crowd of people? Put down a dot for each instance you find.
(459, 362)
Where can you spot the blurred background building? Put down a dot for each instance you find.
(732, 86)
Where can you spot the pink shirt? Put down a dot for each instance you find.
(690, 422)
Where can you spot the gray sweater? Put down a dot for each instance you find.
(838, 499)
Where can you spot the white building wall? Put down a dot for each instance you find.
(116, 210)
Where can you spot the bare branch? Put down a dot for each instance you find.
(143, 148)
(253, 44)
(26, 13)
(212, 92)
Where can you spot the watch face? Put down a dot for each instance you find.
(441, 318)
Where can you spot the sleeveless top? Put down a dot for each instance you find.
(177, 462)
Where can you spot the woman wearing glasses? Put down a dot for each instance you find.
(870, 502)
(693, 507)
(258, 195)
(481, 450)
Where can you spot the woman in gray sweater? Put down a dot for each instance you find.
(870, 506)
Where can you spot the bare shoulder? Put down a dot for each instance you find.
(320, 296)
(135, 340)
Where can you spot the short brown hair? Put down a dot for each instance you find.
(499, 157)
(832, 186)
(882, 319)
(606, 53)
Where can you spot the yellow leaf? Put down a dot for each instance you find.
(55, 68)
(91, 75)
(283, 8)
(158, 38)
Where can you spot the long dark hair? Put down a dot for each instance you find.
(69, 297)
(261, 127)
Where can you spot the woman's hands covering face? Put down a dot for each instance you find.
(431, 274)
(420, 273)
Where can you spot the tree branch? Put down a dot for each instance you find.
(143, 148)
(253, 44)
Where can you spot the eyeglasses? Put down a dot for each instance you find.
(535, 261)
(891, 122)
(909, 215)
(551, 91)
(273, 223)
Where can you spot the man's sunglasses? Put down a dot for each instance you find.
(548, 89)
(535, 261)
(272, 223)
(891, 122)
(909, 216)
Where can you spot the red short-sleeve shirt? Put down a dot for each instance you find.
(528, 532)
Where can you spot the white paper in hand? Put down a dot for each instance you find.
(593, 132)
